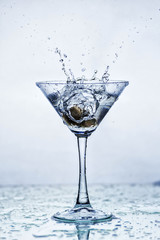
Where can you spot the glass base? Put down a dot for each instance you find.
(82, 215)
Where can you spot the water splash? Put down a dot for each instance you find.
(70, 76)
(105, 76)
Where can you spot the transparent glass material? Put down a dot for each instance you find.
(82, 106)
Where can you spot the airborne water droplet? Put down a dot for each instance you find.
(94, 75)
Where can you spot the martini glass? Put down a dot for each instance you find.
(82, 106)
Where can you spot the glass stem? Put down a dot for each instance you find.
(82, 198)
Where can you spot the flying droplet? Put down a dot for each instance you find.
(83, 69)
(65, 55)
(83, 77)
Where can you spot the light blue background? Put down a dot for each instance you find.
(35, 146)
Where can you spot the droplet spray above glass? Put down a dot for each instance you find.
(82, 104)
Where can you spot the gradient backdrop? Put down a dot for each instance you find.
(35, 146)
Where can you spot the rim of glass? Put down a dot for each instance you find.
(78, 82)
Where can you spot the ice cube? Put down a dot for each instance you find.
(53, 98)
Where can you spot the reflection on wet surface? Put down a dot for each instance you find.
(25, 212)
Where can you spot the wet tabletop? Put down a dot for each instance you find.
(25, 212)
